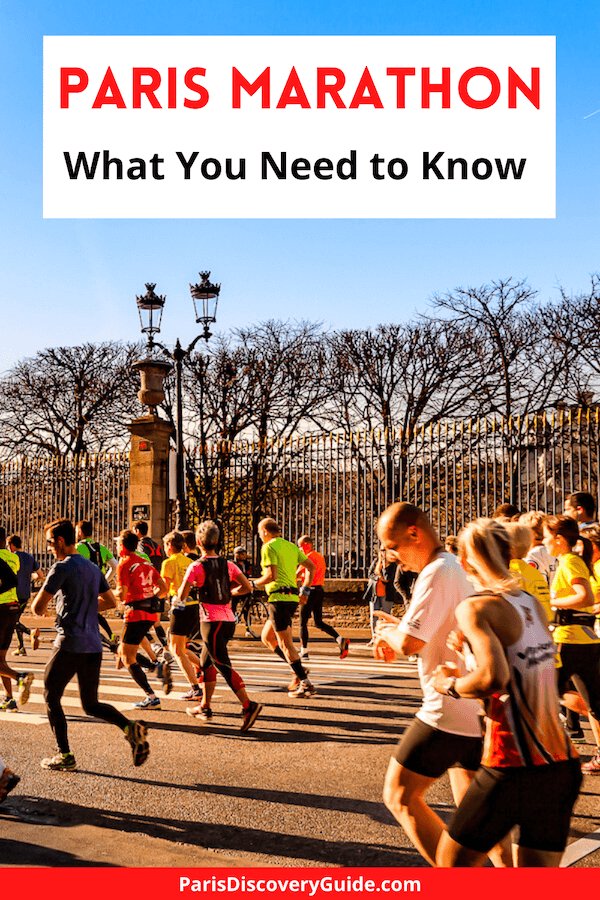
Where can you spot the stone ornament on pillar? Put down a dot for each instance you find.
(152, 375)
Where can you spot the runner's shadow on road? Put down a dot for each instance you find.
(229, 837)
(375, 811)
(21, 853)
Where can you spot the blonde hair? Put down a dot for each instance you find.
(520, 539)
(535, 520)
(486, 553)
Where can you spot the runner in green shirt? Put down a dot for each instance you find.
(279, 561)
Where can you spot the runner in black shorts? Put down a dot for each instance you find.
(213, 578)
(138, 584)
(279, 562)
(530, 773)
(445, 735)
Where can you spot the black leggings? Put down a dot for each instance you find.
(60, 670)
(21, 629)
(215, 637)
(581, 664)
(314, 607)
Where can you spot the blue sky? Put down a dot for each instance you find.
(68, 281)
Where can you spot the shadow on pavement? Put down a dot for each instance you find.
(253, 841)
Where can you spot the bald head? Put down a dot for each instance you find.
(407, 535)
(268, 529)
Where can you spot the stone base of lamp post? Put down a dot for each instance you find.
(149, 471)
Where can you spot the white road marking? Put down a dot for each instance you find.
(581, 848)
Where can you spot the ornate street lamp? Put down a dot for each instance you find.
(205, 297)
(150, 310)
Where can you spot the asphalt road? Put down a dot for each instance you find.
(303, 787)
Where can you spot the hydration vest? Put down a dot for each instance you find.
(216, 589)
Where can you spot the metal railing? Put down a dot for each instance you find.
(332, 486)
(35, 491)
(335, 486)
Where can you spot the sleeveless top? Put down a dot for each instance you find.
(522, 724)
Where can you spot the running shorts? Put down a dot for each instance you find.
(281, 614)
(539, 799)
(135, 632)
(431, 752)
(185, 622)
(9, 616)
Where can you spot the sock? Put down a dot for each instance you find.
(279, 652)
(144, 662)
(299, 670)
(139, 676)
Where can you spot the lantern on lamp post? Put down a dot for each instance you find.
(205, 297)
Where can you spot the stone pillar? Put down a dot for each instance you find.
(149, 470)
(149, 453)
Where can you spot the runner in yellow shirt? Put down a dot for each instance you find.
(531, 579)
(184, 621)
(577, 642)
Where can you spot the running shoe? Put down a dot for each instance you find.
(370, 644)
(194, 693)
(136, 734)
(167, 656)
(305, 689)
(577, 736)
(304, 654)
(344, 645)
(24, 687)
(294, 684)
(158, 648)
(8, 705)
(148, 703)
(8, 781)
(204, 713)
(163, 670)
(250, 714)
(62, 762)
(20, 651)
(34, 638)
(592, 767)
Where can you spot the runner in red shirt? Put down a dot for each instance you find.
(138, 586)
(314, 605)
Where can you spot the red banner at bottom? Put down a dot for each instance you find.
(292, 883)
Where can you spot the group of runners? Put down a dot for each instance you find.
(502, 621)
(201, 589)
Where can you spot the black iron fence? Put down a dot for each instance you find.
(332, 486)
(35, 491)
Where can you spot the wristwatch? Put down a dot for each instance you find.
(451, 690)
